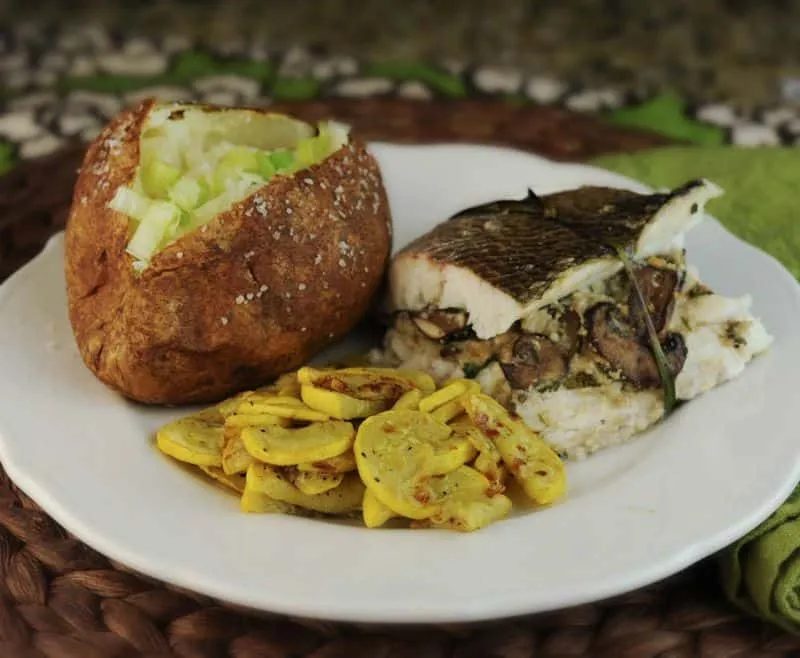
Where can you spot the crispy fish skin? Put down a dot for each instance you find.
(622, 218)
(520, 254)
(502, 260)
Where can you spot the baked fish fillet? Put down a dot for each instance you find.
(503, 260)
(531, 299)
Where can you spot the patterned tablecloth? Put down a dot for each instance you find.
(62, 83)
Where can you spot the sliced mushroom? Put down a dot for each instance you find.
(504, 342)
(437, 324)
(535, 360)
(505, 351)
(674, 348)
(429, 329)
(519, 377)
(658, 287)
(618, 342)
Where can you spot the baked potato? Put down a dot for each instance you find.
(210, 249)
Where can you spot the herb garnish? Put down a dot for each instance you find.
(664, 372)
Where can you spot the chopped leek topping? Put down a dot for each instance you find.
(282, 160)
(305, 150)
(231, 166)
(158, 177)
(190, 172)
(189, 193)
(161, 219)
(209, 210)
(265, 167)
(130, 203)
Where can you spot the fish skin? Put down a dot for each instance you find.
(519, 254)
(611, 216)
(521, 247)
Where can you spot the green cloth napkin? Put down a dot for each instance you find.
(761, 571)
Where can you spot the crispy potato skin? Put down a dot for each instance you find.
(255, 293)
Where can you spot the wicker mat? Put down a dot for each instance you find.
(59, 598)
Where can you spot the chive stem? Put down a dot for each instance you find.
(667, 379)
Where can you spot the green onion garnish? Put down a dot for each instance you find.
(664, 372)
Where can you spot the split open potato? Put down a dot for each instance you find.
(211, 249)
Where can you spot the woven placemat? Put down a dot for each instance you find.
(61, 599)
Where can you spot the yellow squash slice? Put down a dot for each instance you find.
(339, 405)
(235, 458)
(449, 393)
(233, 482)
(466, 500)
(193, 440)
(343, 463)
(257, 502)
(449, 411)
(254, 400)
(249, 420)
(442, 454)
(288, 447)
(409, 400)
(282, 407)
(374, 512)
(489, 461)
(419, 379)
(370, 388)
(229, 405)
(395, 449)
(343, 499)
(314, 482)
(285, 385)
(368, 383)
(533, 463)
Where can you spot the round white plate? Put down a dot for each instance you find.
(633, 515)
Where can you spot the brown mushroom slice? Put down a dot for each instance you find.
(469, 351)
(520, 377)
(658, 287)
(674, 348)
(428, 328)
(437, 324)
(535, 360)
(504, 350)
(617, 341)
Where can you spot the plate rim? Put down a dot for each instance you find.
(637, 579)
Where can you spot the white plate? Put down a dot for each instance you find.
(633, 514)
